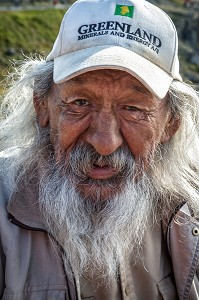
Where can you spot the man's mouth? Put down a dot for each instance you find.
(101, 172)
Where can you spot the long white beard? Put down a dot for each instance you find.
(95, 235)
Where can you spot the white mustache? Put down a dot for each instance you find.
(83, 158)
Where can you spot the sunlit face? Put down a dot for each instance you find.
(107, 109)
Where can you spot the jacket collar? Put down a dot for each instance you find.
(23, 204)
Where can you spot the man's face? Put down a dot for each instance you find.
(104, 126)
(108, 110)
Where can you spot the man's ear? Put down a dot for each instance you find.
(170, 129)
(41, 108)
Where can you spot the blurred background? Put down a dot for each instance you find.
(30, 26)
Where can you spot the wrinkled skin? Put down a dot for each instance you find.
(107, 109)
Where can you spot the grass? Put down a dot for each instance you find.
(27, 32)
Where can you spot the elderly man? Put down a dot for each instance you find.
(99, 163)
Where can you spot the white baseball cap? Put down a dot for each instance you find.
(130, 35)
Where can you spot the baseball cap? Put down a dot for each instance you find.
(130, 35)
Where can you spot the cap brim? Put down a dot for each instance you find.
(156, 80)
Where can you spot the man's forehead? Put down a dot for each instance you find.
(107, 75)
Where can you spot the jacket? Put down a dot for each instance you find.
(31, 266)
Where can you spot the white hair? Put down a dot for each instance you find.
(176, 168)
(19, 130)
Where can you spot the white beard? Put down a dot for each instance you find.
(95, 235)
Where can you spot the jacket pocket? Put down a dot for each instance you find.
(167, 289)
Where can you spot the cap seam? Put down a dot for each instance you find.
(64, 22)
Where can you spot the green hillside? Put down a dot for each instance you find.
(26, 32)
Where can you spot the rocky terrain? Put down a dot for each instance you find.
(186, 19)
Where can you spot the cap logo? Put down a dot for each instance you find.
(124, 10)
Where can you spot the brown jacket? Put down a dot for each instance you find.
(31, 266)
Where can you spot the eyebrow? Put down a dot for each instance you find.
(138, 88)
(78, 80)
(141, 89)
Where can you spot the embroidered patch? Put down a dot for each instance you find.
(124, 10)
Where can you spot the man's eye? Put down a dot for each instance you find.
(133, 113)
(81, 102)
(132, 108)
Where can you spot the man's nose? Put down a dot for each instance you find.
(104, 134)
